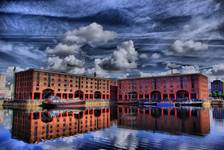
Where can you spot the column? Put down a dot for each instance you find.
(39, 115)
(162, 112)
(190, 115)
(73, 95)
(162, 98)
(32, 97)
(175, 112)
(41, 96)
(31, 115)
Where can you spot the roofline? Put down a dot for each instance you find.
(88, 76)
(63, 73)
(162, 76)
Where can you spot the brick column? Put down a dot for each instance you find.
(32, 97)
(31, 115)
(39, 114)
(41, 96)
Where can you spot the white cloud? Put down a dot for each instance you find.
(55, 63)
(100, 72)
(125, 57)
(63, 49)
(155, 56)
(189, 69)
(68, 64)
(177, 69)
(68, 56)
(143, 56)
(91, 34)
(180, 46)
(218, 67)
(71, 60)
(10, 72)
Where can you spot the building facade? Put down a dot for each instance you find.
(5, 92)
(177, 87)
(217, 88)
(40, 84)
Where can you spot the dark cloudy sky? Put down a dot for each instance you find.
(113, 37)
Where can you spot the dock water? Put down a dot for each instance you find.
(205, 103)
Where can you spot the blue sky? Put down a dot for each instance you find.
(113, 38)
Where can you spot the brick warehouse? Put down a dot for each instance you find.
(171, 87)
(39, 84)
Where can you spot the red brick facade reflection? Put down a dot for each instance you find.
(172, 120)
(172, 87)
(36, 126)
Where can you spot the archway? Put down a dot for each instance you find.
(182, 95)
(193, 95)
(97, 113)
(172, 96)
(97, 95)
(78, 115)
(165, 97)
(182, 113)
(46, 117)
(156, 96)
(132, 95)
(36, 95)
(156, 112)
(47, 93)
(79, 94)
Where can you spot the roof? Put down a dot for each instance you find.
(63, 73)
(169, 75)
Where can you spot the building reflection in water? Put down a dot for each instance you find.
(32, 127)
(218, 113)
(172, 120)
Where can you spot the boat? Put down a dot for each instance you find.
(165, 104)
(56, 102)
(146, 103)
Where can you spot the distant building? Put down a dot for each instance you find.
(5, 92)
(177, 87)
(217, 88)
(37, 84)
(1, 117)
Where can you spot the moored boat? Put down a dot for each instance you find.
(165, 104)
(56, 102)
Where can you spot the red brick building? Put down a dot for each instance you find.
(170, 87)
(40, 84)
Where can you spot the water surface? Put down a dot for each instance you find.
(120, 127)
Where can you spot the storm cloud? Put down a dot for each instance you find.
(54, 35)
